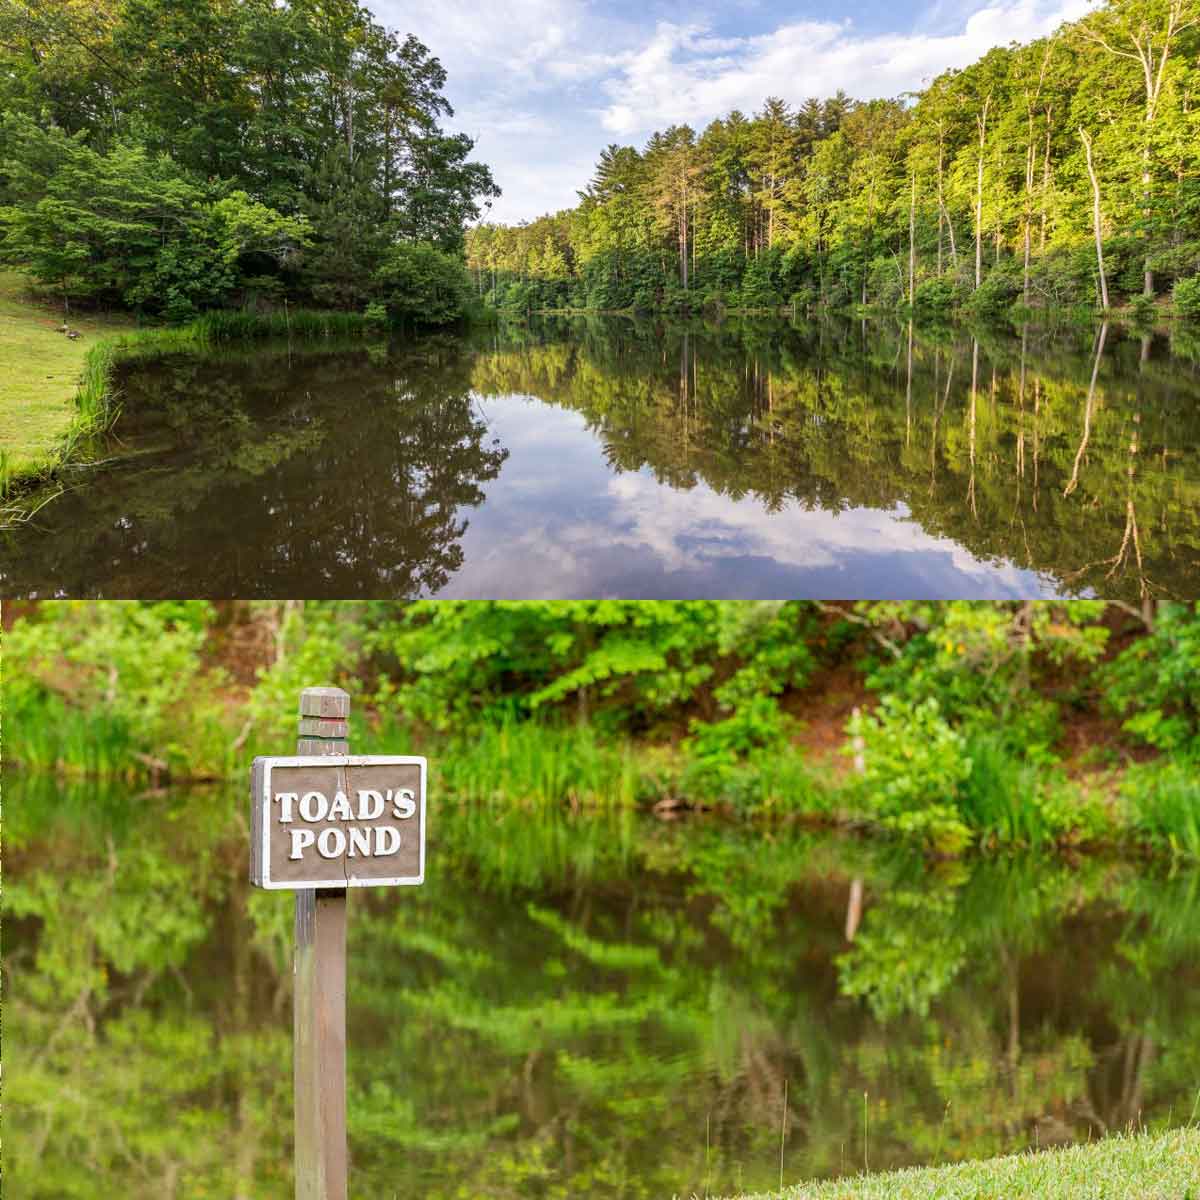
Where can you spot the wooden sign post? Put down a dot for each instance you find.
(322, 821)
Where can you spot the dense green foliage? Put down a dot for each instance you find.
(617, 703)
(973, 193)
(174, 157)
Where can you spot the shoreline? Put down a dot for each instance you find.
(655, 781)
(1163, 1166)
(94, 404)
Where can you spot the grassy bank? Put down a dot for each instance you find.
(42, 373)
(1163, 1167)
(57, 391)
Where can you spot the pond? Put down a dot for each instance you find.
(612, 457)
(599, 1005)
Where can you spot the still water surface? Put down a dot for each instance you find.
(616, 458)
(590, 1007)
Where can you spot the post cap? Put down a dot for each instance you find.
(325, 702)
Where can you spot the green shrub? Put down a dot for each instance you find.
(422, 284)
(995, 295)
(112, 687)
(915, 769)
(1187, 298)
(982, 662)
(1155, 682)
(936, 297)
(1143, 310)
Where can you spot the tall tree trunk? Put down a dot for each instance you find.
(940, 202)
(981, 121)
(912, 244)
(1086, 138)
(1028, 212)
(953, 243)
(1148, 271)
(1045, 183)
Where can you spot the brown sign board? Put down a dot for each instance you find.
(337, 821)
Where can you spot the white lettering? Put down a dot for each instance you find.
(339, 810)
(387, 839)
(370, 805)
(300, 839)
(331, 843)
(285, 800)
(360, 843)
(405, 804)
(313, 806)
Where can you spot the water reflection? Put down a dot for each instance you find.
(609, 457)
(577, 1007)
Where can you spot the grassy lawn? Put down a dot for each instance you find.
(41, 370)
(1125, 1167)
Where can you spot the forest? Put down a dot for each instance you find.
(1064, 173)
(174, 156)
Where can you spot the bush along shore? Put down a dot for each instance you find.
(951, 727)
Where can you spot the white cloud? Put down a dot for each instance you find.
(681, 74)
(519, 46)
(544, 84)
(559, 522)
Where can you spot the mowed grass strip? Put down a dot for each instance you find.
(40, 370)
(1124, 1167)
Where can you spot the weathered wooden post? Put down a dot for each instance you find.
(319, 982)
(323, 821)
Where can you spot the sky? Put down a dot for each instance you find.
(544, 85)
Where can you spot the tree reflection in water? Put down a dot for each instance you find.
(568, 1004)
(947, 462)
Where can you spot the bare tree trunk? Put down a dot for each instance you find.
(1045, 182)
(1086, 138)
(953, 243)
(1028, 212)
(912, 245)
(981, 121)
(941, 203)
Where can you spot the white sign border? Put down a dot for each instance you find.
(335, 760)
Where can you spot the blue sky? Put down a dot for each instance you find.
(543, 85)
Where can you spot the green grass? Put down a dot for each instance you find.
(1000, 795)
(527, 765)
(42, 369)
(1166, 803)
(1124, 1167)
(229, 325)
(55, 392)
